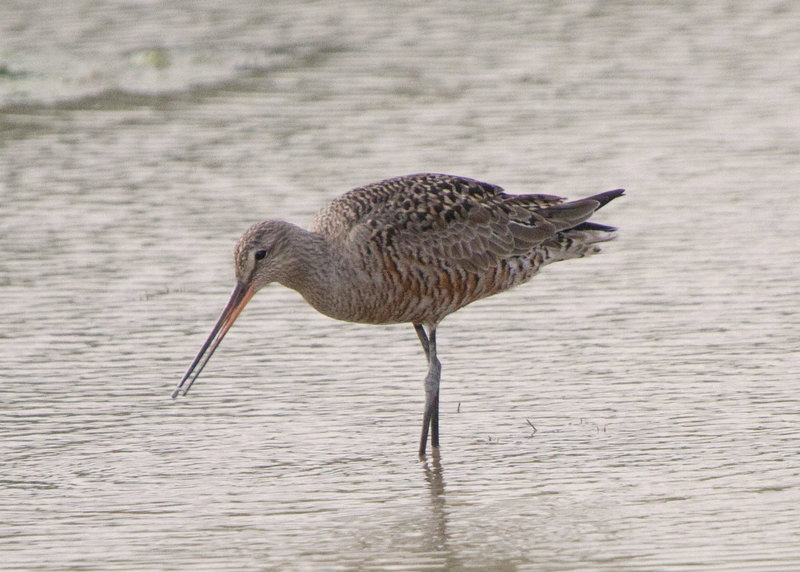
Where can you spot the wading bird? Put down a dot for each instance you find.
(410, 249)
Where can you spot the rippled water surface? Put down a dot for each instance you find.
(138, 140)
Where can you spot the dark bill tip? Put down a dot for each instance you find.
(240, 296)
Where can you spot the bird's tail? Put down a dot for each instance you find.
(571, 214)
(606, 197)
(576, 236)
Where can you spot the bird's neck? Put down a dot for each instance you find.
(316, 271)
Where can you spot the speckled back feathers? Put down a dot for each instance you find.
(428, 244)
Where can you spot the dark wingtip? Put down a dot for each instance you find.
(595, 226)
(607, 197)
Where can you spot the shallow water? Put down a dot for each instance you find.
(139, 141)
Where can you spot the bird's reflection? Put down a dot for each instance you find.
(433, 474)
(436, 539)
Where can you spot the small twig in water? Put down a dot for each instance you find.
(532, 425)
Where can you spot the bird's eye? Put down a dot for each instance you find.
(260, 254)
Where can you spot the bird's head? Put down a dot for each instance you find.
(265, 253)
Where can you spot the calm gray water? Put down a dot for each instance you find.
(139, 139)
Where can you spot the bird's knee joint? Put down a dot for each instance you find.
(433, 377)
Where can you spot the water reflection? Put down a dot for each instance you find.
(435, 539)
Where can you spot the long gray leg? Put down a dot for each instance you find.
(430, 417)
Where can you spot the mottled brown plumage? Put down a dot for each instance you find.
(411, 249)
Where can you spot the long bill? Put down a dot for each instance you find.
(239, 298)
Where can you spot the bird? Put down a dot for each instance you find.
(410, 249)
